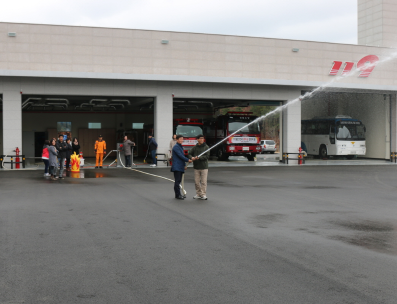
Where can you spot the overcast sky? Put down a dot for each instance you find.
(316, 20)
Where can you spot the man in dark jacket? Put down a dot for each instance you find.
(127, 148)
(62, 148)
(200, 165)
(178, 165)
(152, 147)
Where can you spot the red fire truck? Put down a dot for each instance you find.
(244, 143)
(189, 128)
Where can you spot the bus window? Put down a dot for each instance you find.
(343, 132)
(311, 128)
(361, 131)
(322, 128)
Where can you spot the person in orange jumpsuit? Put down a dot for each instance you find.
(100, 150)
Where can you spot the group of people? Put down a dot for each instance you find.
(55, 152)
(199, 156)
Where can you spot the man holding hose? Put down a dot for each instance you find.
(178, 165)
(200, 164)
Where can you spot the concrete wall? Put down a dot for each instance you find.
(393, 118)
(68, 51)
(291, 129)
(377, 22)
(371, 109)
(12, 116)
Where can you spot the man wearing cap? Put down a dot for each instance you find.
(100, 150)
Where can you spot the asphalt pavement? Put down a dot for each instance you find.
(265, 235)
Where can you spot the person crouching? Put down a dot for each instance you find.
(178, 165)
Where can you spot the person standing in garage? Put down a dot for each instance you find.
(46, 156)
(62, 148)
(127, 148)
(75, 146)
(152, 146)
(69, 152)
(53, 153)
(172, 143)
(100, 150)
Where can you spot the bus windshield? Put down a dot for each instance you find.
(350, 131)
(189, 130)
(251, 129)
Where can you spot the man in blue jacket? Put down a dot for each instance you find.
(152, 146)
(178, 165)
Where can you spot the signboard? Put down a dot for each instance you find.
(188, 142)
(350, 123)
(244, 140)
(365, 66)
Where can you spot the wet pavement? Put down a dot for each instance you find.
(262, 160)
(271, 234)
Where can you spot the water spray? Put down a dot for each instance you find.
(304, 96)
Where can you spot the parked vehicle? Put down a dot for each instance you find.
(244, 143)
(268, 146)
(189, 128)
(340, 135)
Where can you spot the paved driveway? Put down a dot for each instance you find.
(266, 235)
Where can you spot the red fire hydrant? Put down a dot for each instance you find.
(300, 156)
(17, 158)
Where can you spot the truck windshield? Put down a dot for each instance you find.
(348, 132)
(189, 130)
(251, 129)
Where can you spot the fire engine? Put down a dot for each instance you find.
(244, 143)
(189, 128)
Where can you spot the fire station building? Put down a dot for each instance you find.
(105, 80)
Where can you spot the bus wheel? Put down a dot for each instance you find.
(250, 157)
(350, 156)
(323, 152)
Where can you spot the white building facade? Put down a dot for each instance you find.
(50, 61)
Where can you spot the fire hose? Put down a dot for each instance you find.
(159, 176)
(2, 163)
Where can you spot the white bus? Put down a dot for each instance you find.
(340, 135)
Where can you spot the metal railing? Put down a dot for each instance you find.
(165, 159)
(12, 162)
(301, 157)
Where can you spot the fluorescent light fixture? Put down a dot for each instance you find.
(164, 41)
(295, 50)
(12, 34)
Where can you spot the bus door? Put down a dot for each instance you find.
(332, 148)
(332, 135)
